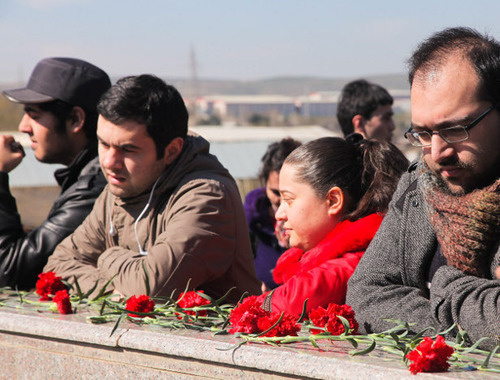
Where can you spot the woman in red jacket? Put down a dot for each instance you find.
(334, 193)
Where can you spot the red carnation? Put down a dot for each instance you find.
(249, 317)
(244, 317)
(287, 326)
(430, 356)
(192, 299)
(141, 304)
(61, 298)
(47, 285)
(321, 317)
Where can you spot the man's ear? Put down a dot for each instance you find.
(358, 123)
(336, 200)
(76, 120)
(173, 149)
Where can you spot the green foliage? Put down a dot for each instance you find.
(258, 119)
(211, 120)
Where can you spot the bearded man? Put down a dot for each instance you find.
(433, 261)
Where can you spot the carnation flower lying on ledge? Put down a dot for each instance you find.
(329, 317)
(48, 285)
(430, 356)
(50, 288)
(61, 299)
(141, 304)
(250, 323)
(191, 300)
(250, 317)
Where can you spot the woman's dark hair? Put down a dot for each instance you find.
(275, 155)
(367, 171)
(62, 111)
(148, 100)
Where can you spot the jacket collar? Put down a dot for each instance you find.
(346, 237)
(65, 177)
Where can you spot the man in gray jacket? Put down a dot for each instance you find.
(171, 213)
(433, 260)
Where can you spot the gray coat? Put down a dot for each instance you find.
(390, 280)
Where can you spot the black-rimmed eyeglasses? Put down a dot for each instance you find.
(451, 135)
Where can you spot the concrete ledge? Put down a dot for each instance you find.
(46, 345)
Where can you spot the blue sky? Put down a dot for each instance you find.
(232, 39)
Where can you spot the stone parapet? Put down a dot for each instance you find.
(51, 346)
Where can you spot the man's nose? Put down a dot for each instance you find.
(111, 159)
(25, 124)
(440, 149)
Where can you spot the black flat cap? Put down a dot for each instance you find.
(74, 81)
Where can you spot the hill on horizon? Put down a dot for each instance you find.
(286, 85)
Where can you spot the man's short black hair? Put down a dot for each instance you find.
(148, 100)
(360, 97)
(482, 51)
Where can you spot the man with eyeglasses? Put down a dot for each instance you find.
(433, 261)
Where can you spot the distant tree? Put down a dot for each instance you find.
(258, 119)
(211, 120)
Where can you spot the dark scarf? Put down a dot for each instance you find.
(467, 226)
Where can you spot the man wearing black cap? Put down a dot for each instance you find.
(60, 118)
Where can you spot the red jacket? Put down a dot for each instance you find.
(321, 273)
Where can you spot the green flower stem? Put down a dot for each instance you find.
(37, 303)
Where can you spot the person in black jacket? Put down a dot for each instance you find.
(60, 118)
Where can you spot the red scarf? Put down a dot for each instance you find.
(346, 237)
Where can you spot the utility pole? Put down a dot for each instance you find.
(193, 65)
(20, 75)
(193, 83)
